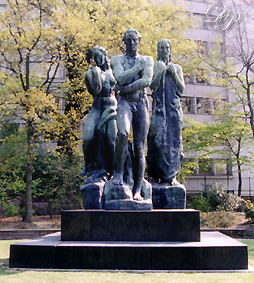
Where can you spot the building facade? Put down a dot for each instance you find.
(200, 98)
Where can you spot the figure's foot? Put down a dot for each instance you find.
(117, 179)
(137, 196)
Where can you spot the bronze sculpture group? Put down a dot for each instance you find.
(118, 124)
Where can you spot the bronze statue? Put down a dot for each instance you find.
(133, 74)
(100, 127)
(164, 140)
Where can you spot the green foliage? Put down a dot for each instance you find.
(58, 181)
(215, 197)
(56, 177)
(201, 203)
(249, 210)
(12, 170)
(187, 168)
(220, 199)
(9, 209)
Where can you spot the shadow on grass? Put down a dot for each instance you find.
(4, 267)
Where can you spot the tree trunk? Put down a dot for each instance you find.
(251, 110)
(29, 175)
(239, 179)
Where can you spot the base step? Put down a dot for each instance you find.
(215, 251)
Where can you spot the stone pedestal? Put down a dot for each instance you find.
(215, 251)
(92, 195)
(120, 197)
(169, 197)
(144, 226)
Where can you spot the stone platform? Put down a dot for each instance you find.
(145, 226)
(215, 251)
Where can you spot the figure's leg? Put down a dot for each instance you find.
(111, 139)
(124, 117)
(88, 136)
(140, 131)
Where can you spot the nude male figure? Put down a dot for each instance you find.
(133, 73)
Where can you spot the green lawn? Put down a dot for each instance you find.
(8, 275)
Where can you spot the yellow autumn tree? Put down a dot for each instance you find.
(32, 45)
(39, 37)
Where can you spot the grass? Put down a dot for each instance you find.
(8, 275)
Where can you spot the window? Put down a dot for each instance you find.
(187, 104)
(199, 21)
(209, 166)
(202, 46)
(205, 166)
(223, 167)
(215, 46)
(61, 104)
(203, 105)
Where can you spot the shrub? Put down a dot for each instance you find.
(9, 209)
(215, 197)
(201, 203)
(249, 210)
(220, 199)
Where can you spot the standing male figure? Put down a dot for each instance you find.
(133, 73)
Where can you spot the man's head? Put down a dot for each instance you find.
(131, 39)
(164, 50)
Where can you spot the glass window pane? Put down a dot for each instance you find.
(203, 105)
(186, 104)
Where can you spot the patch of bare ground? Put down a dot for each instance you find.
(224, 219)
(39, 222)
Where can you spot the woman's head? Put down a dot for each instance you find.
(100, 56)
(164, 50)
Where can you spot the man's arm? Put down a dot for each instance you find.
(124, 76)
(144, 81)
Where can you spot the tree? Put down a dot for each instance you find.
(235, 67)
(12, 161)
(30, 58)
(39, 37)
(227, 136)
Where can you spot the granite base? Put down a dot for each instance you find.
(215, 251)
(111, 225)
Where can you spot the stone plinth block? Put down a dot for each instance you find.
(111, 225)
(92, 195)
(128, 205)
(169, 197)
(215, 251)
(119, 197)
(117, 192)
